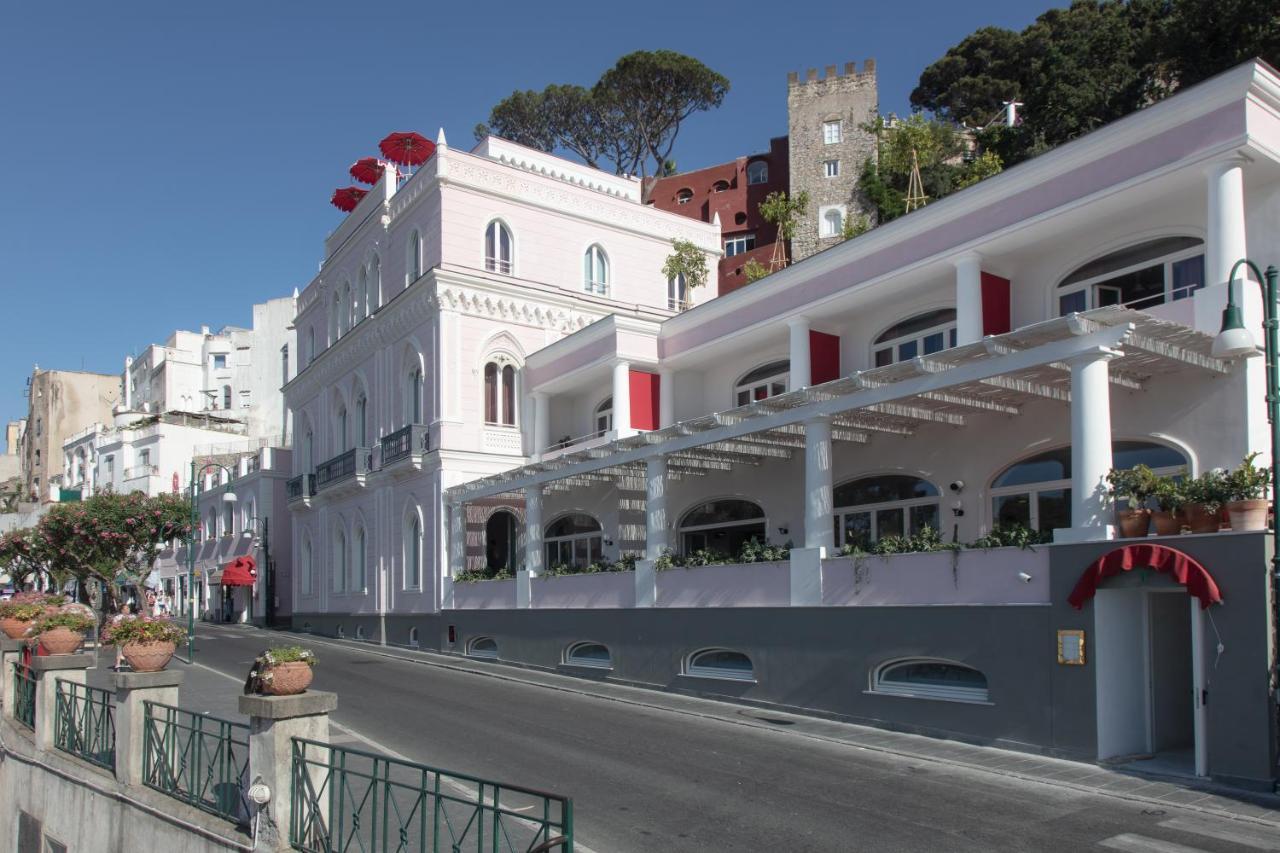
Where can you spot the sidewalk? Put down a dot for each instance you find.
(1122, 783)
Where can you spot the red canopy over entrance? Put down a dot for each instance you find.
(242, 571)
(1184, 569)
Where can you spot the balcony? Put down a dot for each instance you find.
(300, 488)
(137, 472)
(403, 449)
(350, 467)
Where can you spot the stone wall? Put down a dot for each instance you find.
(851, 98)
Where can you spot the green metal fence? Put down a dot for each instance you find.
(350, 800)
(24, 696)
(199, 759)
(84, 723)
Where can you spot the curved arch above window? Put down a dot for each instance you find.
(871, 508)
(572, 524)
(359, 632)
(413, 552)
(413, 637)
(921, 334)
(575, 540)
(929, 678)
(722, 526)
(720, 186)
(677, 293)
(767, 380)
(720, 663)
(483, 647)
(1149, 273)
(413, 258)
(604, 416)
(500, 392)
(589, 654)
(757, 173)
(683, 195)
(595, 270)
(832, 222)
(498, 248)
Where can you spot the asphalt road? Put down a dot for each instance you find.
(648, 778)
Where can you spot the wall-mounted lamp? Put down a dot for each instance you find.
(608, 543)
(783, 531)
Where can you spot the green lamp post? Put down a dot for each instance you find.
(1236, 341)
(228, 497)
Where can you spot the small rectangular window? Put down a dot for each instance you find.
(738, 245)
(219, 362)
(831, 168)
(831, 132)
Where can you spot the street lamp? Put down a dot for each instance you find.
(1236, 341)
(228, 497)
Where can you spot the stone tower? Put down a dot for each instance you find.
(826, 118)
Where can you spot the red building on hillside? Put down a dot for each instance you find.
(733, 191)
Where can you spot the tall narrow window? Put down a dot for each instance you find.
(375, 285)
(311, 344)
(344, 310)
(491, 393)
(362, 434)
(360, 579)
(677, 293)
(362, 296)
(413, 553)
(413, 398)
(414, 266)
(308, 568)
(509, 395)
(595, 271)
(226, 396)
(604, 416)
(497, 248)
(499, 394)
(340, 430)
(757, 173)
(831, 132)
(339, 574)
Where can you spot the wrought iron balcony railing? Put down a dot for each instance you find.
(355, 462)
(415, 438)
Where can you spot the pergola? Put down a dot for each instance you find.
(1071, 360)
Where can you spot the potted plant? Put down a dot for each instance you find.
(18, 613)
(62, 631)
(1137, 485)
(1246, 498)
(282, 671)
(1205, 496)
(1170, 497)
(145, 642)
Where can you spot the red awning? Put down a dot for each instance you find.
(242, 571)
(1184, 569)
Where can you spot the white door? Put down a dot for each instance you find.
(1121, 638)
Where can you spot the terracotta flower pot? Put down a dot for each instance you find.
(61, 641)
(14, 629)
(288, 679)
(1168, 524)
(1248, 515)
(1133, 523)
(148, 655)
(1200, 519)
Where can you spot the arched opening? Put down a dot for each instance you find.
(1036, 492)
(832, 222)
(413, 552)
(927, 678)
(501, 539)
(413, 259)
(594, 655)
(923, 334)
(871, 508)
(498, 255)
(595, 271)
(575, 541)
(720, 186)
(1141, 276)
(360, 556)
(768, 380)
(684, 195)
(483, 647)
(499, 393)
(757, 173)
(362, 421)
(722, 527)
(374, 300)
(720, 663)
(677, 293)
(338, 576)
(604, 416)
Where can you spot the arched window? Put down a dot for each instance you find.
(720, 663)
(768, 380)
(871, 508)
(338, 577)
(589, 654)
(344, 309)
(228, 519)
(595, 271)
(413, 259)
(574, 540)
(499, 393)
(374, 299)
(1150, 273)
(1036, 492)
(722, 527)
(413, 637)
(604, 416)
(413, 552)
(361, 305)
(925, 678)
(719, 186)
(677, 293)
(832, 222)
(248, 517)
(311, 344)
(483, 647)
(501, 537)
(308, 452)
(684, 195)
(413, 413)
(497, 248)
(340, 431)
(362, 421)
(211, 528)
(226, 396)
(359, 632)
(335, 311)
(359, 576)
(308, 568)
(757, 173)
(922, 334)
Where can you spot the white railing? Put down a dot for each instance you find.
(580, 442)
(249, 445)
(138, 471)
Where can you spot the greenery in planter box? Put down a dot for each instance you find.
(1247, 482)
(1011, 536)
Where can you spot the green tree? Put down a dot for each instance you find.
(689, 261)
(753, 270)
(784, 211)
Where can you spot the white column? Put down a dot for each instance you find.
(1090, 447)
(818, 523)
(541, 422)
(801, 362)
(457, 543)
(1225, 243)
(533, 550)
(968, 298)
(666, 398)
(655, 507)
(622, 399)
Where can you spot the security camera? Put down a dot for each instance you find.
(957, 485)
(1024, 577)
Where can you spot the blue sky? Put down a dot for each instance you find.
(170, 163)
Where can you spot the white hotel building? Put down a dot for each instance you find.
(985, 359)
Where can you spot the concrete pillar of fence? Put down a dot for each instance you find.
(646, 584)
(10, 653)
(46, 670)
(133, 691)
(806, 577)
(274, 721)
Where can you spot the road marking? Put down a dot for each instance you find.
(1141, 844)
(1236, 833)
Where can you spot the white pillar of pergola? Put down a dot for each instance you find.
(819, 530)
(656, 539)
(541, 423)
(622, 400)
(456, 546)
(801, 360)
(666, 398)
(968, 298)
(1091, 517)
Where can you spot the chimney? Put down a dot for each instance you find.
(850, 69)
(811, 75)
(869, 66)
(792, 78)
(830, 71)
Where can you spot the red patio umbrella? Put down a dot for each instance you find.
(347, 198)
(367, 170)
(407, 148)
